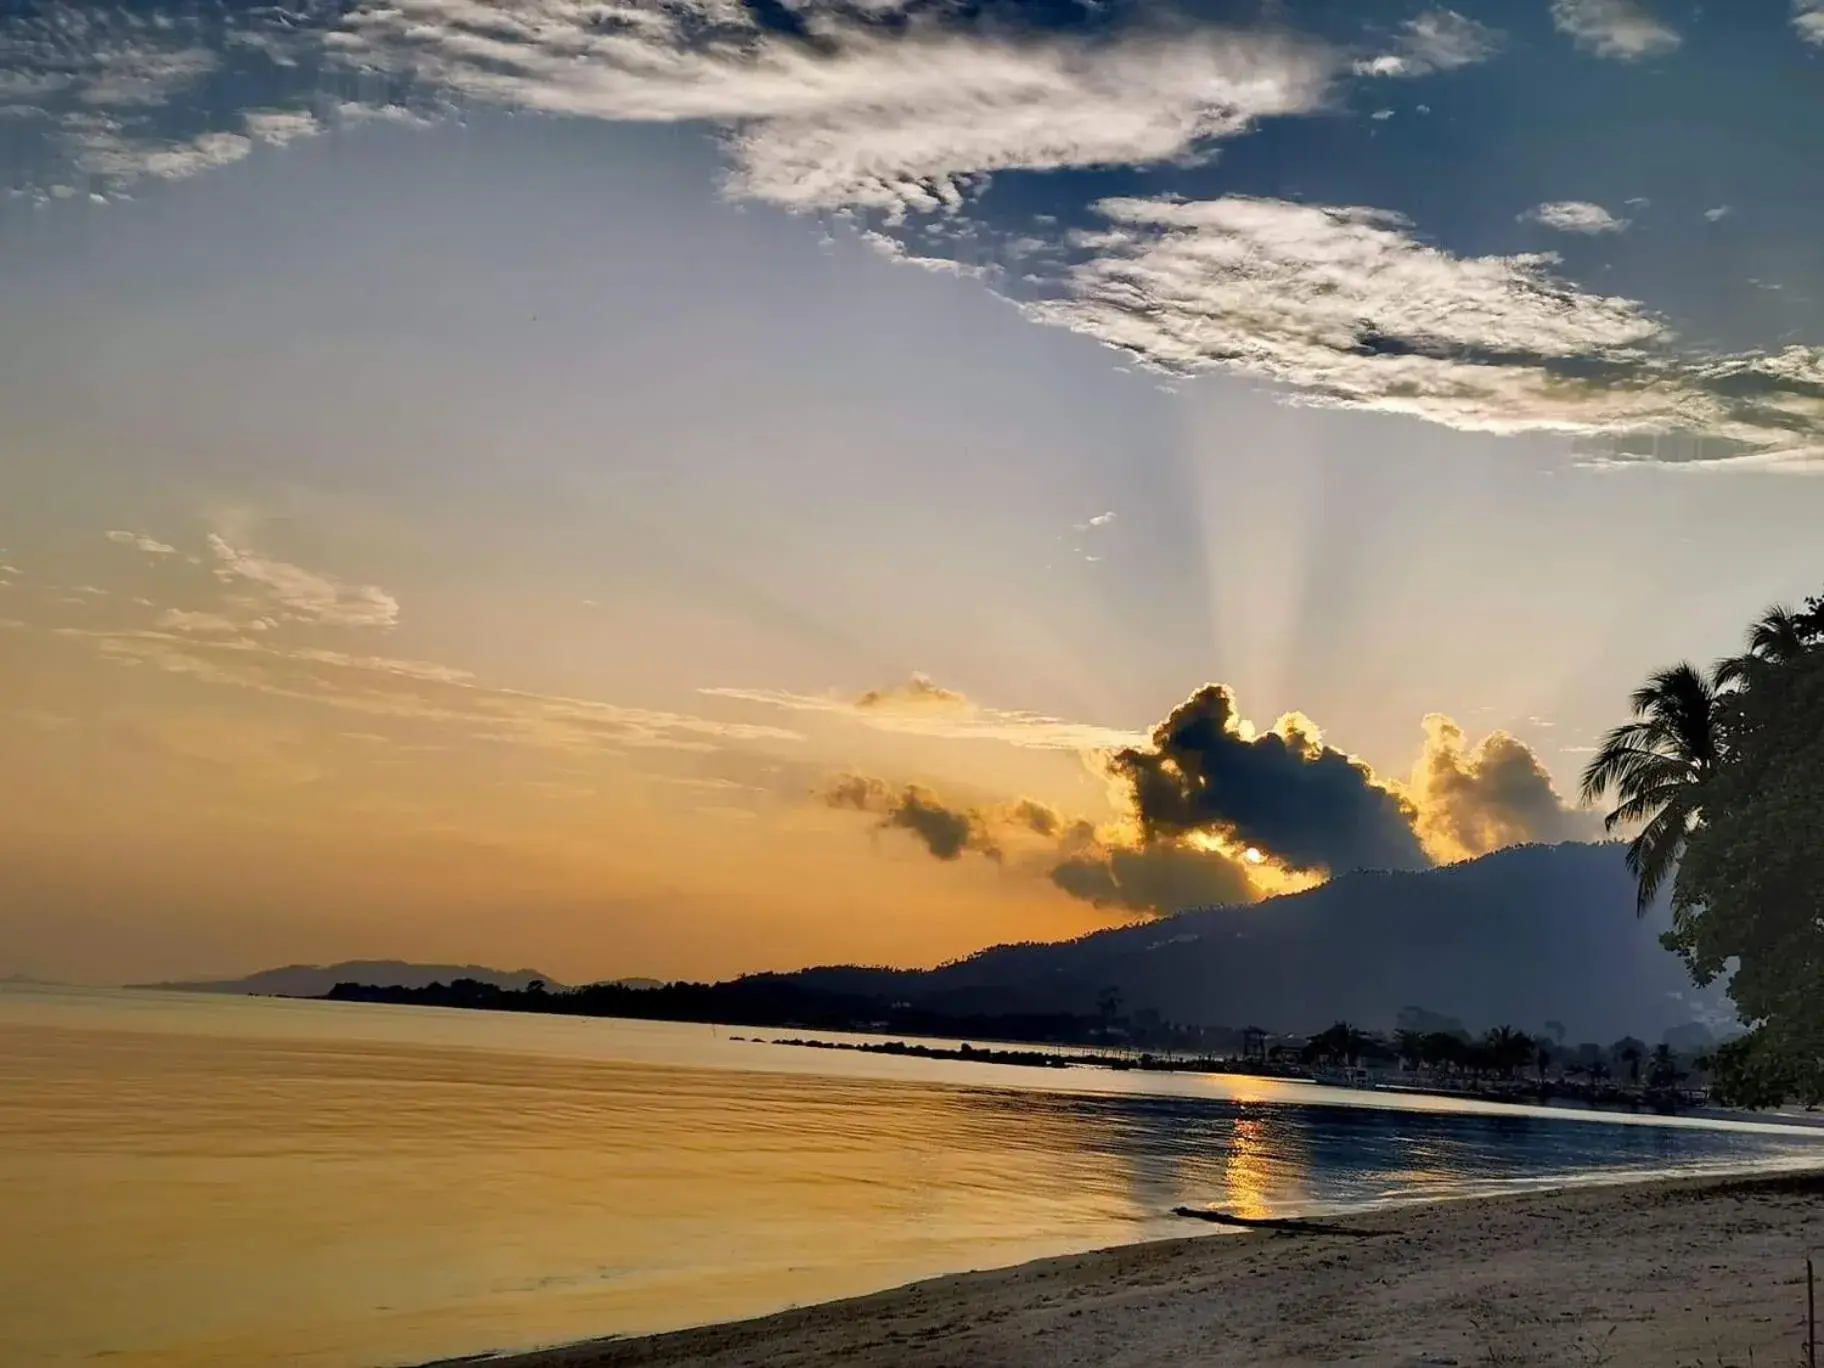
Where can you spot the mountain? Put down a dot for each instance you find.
(314, 980)
(1524, 936)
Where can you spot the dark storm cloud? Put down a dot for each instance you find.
(946, 831)
(1225, 815)
(1160, 879)
(1285, 793)
(1036, 817)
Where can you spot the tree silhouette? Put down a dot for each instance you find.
(1656, 766)
(1340, 1043)
(1505, 1049)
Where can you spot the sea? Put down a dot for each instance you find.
(198, 1180)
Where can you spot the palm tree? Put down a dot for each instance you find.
(1656, 765)
(1507, 1049)
(1777, 638)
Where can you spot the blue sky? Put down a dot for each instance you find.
(556, 419)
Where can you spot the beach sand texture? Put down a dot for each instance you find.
(1689, 1272)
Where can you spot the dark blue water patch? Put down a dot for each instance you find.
(1274, 1158)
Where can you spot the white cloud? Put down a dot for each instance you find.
(1440, 40)
(422, 670)
(104, 148)
(1575, 216)
(117, 89)
(1347, 305)
(206, 624)
(1444, 40)
(1722, 211)
(353, 113)
(421, 693)
(134, 71)
(205, 152)
(1100, 520)
(1808, 19)
(865, 117)
(281, 127)
(304, 594)
(963, 721)
(1620, 29)
(139, 541)
(1342, 301)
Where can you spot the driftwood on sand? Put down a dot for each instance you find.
(1285, 1223)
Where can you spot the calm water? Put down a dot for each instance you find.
(200, 1181)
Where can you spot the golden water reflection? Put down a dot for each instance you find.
(240, 1182)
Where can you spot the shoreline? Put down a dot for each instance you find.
(1664, 1271)
(1561, 1094)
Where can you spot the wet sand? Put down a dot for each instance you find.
(1685, 1272)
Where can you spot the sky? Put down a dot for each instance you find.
(680, 489)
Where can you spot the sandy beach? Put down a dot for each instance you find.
(1698, 1271)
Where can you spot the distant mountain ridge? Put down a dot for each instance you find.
(314, 980)
(1524, 936)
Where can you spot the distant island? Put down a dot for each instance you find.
(1569, 994)
(315, 980)
(1427, 1054)
(1540, 937)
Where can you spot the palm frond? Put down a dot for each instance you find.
(1655, 767)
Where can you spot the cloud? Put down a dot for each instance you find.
(219, 624)
(1283, 792)
(1575, 216)
(932, 711)
(1620, 29)
(920, 691)
(879, 110)
(1808, 19)
(1039, 818)
(1722, 211)
(140, 542)
(420, 694)
(1342, 302)
(1034, 839)
(422, 670)
(1213, 811)
(353, 114)
(1440, 40)
(281, 127)
(126, 92)
(1100, 520)
(1351, 309)
(305, 595)
(946, 831)
(1155, 879)
(1471, 800)
(881, 107)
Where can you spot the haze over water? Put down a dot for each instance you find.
(196, 1181)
